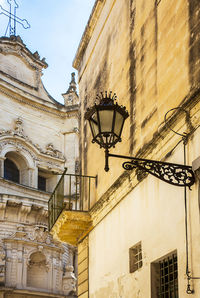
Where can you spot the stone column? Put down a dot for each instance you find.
(2, 166)
(13, 271)
(2, 266)
(24, 267)
(33, 180)
(19, 268)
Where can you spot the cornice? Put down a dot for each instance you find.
(96, 11)
(34, 197)
(25, 98)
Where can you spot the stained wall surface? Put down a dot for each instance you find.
(147, 53)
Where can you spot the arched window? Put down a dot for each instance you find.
(11, 171)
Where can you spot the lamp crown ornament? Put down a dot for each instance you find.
(106, 96)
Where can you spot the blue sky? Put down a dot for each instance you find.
(56, 30)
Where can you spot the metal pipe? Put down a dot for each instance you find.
(106, 160)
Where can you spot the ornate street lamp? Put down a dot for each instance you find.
(106, 121)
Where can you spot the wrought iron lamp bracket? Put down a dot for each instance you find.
(174, 174)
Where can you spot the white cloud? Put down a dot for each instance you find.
(3, 2)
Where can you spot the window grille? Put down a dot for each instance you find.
(135, 257)
(164, 277)
(168, 268)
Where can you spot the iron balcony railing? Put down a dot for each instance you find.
(72, 192)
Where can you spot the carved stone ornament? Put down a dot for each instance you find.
(2, 255)
(40, 234)
(69, 281)
(50, 150)
(18, 146)
(77, 166)
(18, 126)
(2, 262)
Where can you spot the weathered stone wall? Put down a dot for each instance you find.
(146, 52)
(138, 49)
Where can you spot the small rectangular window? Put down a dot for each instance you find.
(135, 257)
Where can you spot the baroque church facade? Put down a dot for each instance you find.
(38, 139)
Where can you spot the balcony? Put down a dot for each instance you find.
(69, 205)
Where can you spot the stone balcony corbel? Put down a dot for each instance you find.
(2, 210)
(72, 226)
(42, 215)
(23, 213)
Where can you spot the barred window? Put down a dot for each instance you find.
(165, 277)
(135, 257)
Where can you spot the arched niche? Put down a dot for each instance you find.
(37, 271)
(22, 159)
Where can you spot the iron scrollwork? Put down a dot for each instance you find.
(175, 174)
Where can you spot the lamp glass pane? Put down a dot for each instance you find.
(94, 125)
(106, 120)
(118, 123)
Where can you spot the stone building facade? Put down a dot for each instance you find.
(143, 238)
(38, 138)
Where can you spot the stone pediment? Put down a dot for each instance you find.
(21, 68)
(17, 138)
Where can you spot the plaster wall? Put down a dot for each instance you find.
(152, 213)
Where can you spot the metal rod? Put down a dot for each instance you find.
(75, 175)
(107, 154)
(188, 290)
(185, 201)
(53, 203)
(83, 191)
(174, 174)
(70, 182)
(143, 159)
(76, 195)
(89, 197)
